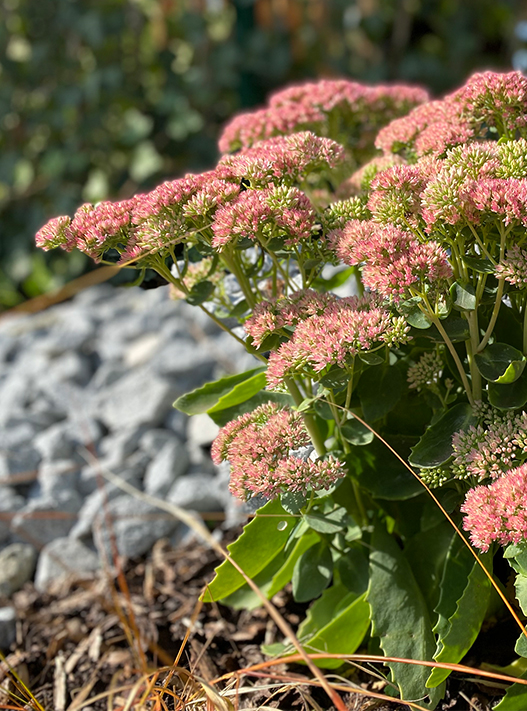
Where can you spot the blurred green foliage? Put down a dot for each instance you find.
(103, 98)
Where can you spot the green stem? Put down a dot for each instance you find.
(309, 420)
(481, 245)
(525, 327)
(437, 323)
(499, 296)
(472, 347)
(494, 316)
(360, 504)
(232, 265)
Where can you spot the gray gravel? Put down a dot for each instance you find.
(87, 387)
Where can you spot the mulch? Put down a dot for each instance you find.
(111, 642)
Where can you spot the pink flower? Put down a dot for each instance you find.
(280, 211)
(258, 446)
(498, 100)
(392, 259)
(498, 512)
(332, 338)
(396, 194)
(309, 106)
(283, 159)
(56, 233)
(285, 311)
(514, 267)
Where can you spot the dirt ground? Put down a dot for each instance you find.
(138, 639)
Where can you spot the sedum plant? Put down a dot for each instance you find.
(381, 424)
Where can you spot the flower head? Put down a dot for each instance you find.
(498, 512)
(392, 259)
(332, 338)
(259, 446)
(283, 159)
(353, 108)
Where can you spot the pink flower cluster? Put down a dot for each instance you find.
(258, 446)
(393, 259)
(285, 311)
(427, 372)
(332, 338)
(284, 159)
(497, 100)
(263, 214)
(488, 103)
(212, 202)
(490, 448)
(396, 194)
(514, 267)
(498, 512)
(308, 106)
(92, 230)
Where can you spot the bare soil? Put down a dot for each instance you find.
(139, 639)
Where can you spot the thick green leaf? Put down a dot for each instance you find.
(335, 378)
(331, 522)
(240, 393)
(456, 329)
(379, 390)
(207, 396)
(516, 554)
(483, 266)
(372, 358)
(199, 293)
(500, 363)
(521, 645)
(348, 620)
(400, 617)
(312, 573)
(221, 417)
(515, 698)
(520, 585)
(293, 501)
(413, 314)
(262, 539)
(458, 565)
(356, 433)
(379, 471)
(464, 625)
(353, 569)
(426, 552)
(463, 296)
(273, 577)
(336, 623)
(509, 396)
(435, 446)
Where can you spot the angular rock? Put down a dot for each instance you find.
(196, 491)
(7, 627)
(10, 503)
(153, 440)
(62, 557)
(17, 563)
(136, 399)
(201, 432)
(184, 360)
(132, 470)
(136, 525)
(117, 447)
(107, 374)
(170, 463)
(19, 464)
(66, 439)
(58, 476)
(48, 517)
